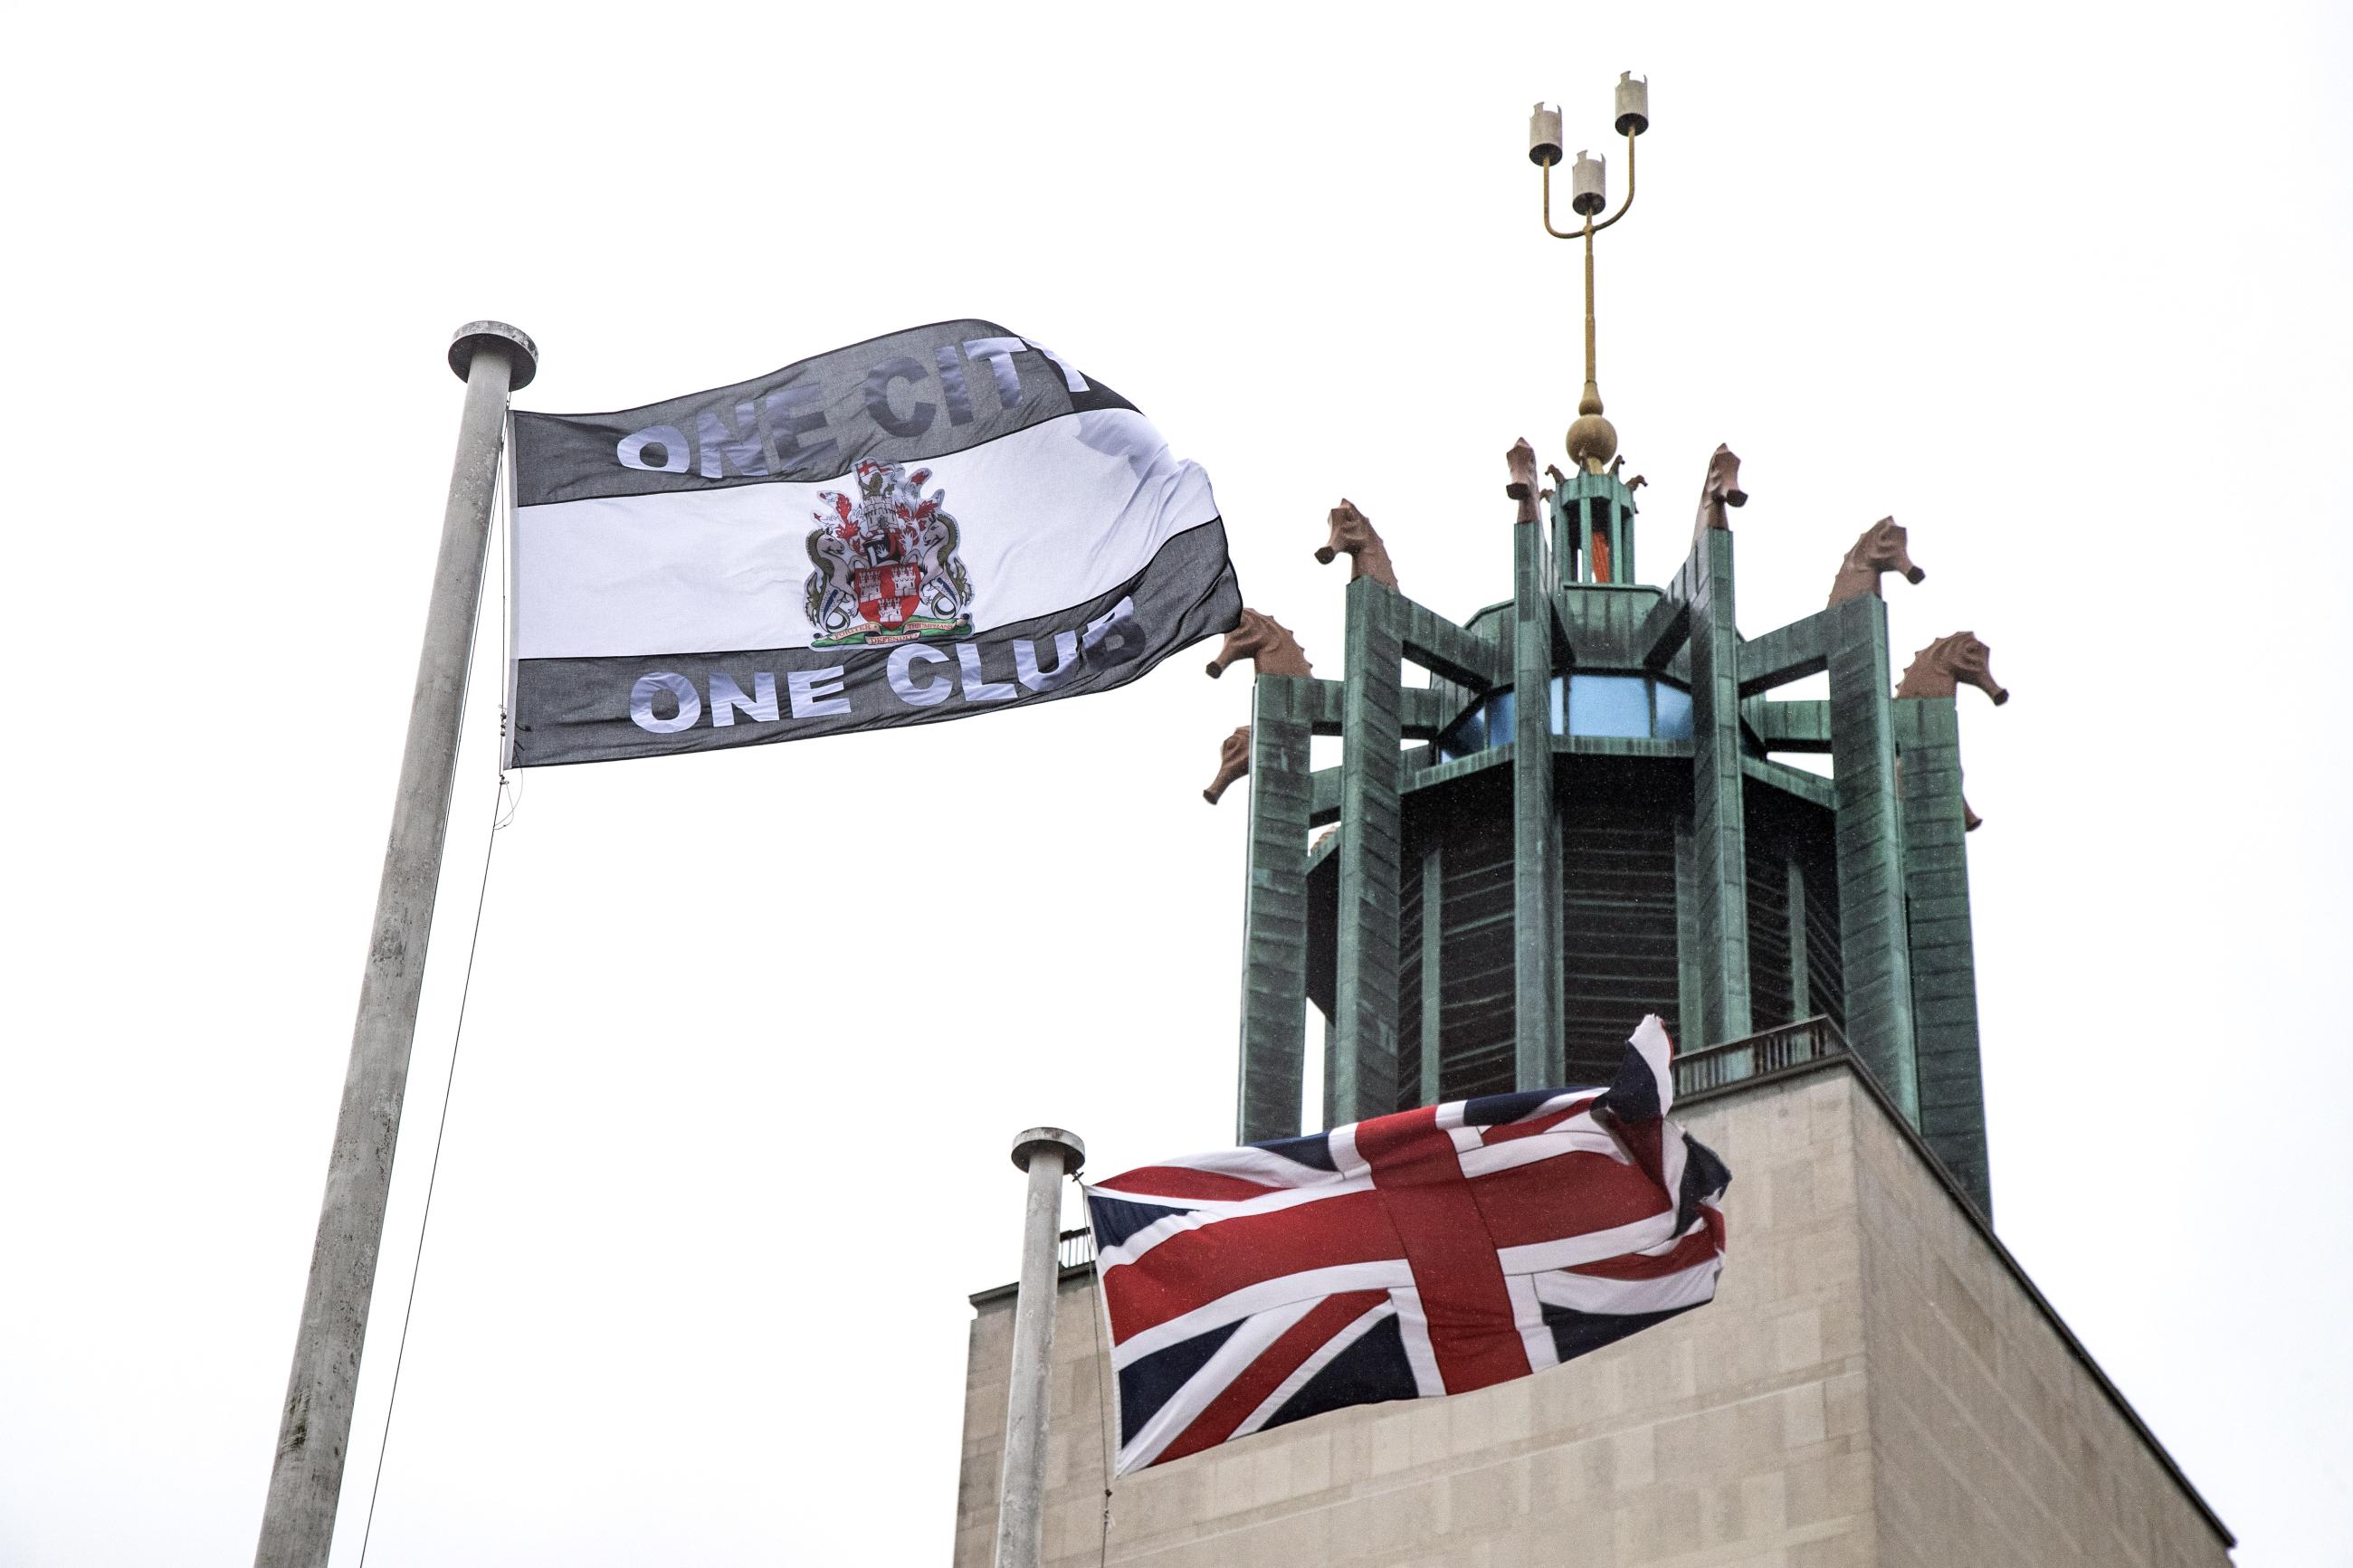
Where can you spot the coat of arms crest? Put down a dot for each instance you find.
(887, 570)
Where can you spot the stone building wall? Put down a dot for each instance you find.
(1988, 1428)
(1872, 1385)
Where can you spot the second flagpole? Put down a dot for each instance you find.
(1046, 1154)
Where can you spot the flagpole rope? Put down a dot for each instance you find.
(510, 787)
(457, 1038)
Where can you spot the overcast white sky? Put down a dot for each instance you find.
(2063, 288)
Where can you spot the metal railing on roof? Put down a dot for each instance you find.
(1791, 1045)
(1077, 1247)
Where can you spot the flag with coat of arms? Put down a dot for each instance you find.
(941, 522)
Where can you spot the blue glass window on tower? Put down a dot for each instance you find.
(1674, 716)
(1609, 705)
(1501, 716)
(1465, 737)
(1630, 707)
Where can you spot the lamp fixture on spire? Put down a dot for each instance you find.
(1592, 440)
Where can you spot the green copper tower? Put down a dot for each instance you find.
(1573, 808)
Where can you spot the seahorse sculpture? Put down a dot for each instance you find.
(1352, 532)
(1941, 669)
(1264, 640)
(1233, 762)
(1720, 490)
(1949, 663)
(1881, 549)
(1522, 486)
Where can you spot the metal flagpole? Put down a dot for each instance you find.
(298, 1524)
(1047, 1155)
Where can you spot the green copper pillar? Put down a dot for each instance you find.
(1364, 1046)
(1719, 927)
(1274, 911)
(1944, 957)
(1872, 940)
(1434, 950)
(1539, 1053)
(1801, 992)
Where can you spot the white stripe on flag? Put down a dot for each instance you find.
(1262, 1297)
(1241, 1348)
(1591, 1247)
(1257, 1202)
(1049, 517)
(1325, 1356)
(1649, 1037)
(1528, 1311)
(1350, 1164)
(1674, 1154)
(1670, 1242)
(1252, 1165)
(1208, 1214)
(1587, 1293)
(1576, 1135)
(1419, 1352)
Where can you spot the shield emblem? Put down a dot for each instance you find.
(888, 595)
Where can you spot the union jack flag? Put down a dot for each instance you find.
(1430, 1252)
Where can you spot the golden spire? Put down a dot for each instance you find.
(1592, 440)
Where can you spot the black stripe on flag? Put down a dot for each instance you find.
(905, 396)
(1313, 1151)
(612, 707)
(1149, 1382)
(1575, 1333)
(1495, 1110)
(1372, 1368)
(1115, 1219)
(1705, 1177)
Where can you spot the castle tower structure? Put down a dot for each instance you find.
(1575, 806)
(1597, 823)
(1578, 817)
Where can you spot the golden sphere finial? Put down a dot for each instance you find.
(1592, 440)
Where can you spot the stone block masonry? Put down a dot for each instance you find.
(1875, 1384)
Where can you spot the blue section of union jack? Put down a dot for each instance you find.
(1430, 1252)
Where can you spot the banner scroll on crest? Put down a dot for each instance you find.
(934, 524)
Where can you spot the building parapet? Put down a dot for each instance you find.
(1757, 1061)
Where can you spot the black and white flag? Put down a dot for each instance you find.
(930, 524)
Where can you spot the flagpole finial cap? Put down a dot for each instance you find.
(523, 354)
(1026, 1146)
